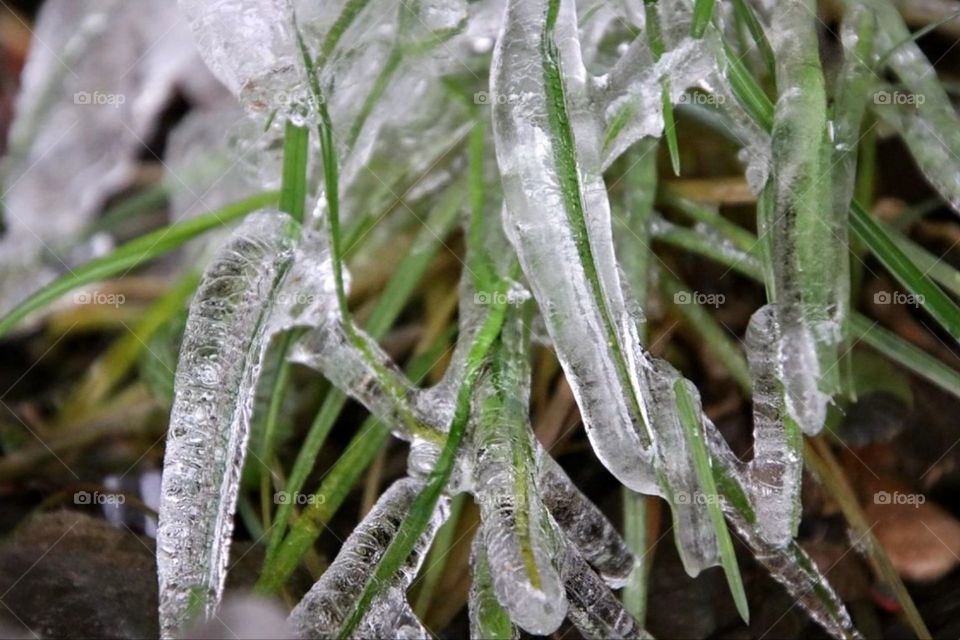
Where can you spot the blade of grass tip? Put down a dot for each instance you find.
(391, 302)
(940, 307)
(436, 561)
(821, 461)
(337, 484)
(744, 13)
(134, 254)
(425, 502)
(702, 14)
(293, 190)
(690, 420)
(884, 342)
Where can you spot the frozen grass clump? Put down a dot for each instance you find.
(505, 119)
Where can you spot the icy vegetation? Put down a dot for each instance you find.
(511, 111)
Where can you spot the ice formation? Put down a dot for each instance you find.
(564, 108)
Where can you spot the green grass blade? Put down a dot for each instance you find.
(293, 190)
(702, 13)
(436, 561)
(134, 254)
(744, 13)
(940, 307)
(689, 413)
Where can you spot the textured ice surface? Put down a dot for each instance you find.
(328, 603)
(87, 103)
(586, 333)
(488, 618)
(521, 541)
(777, 466)
(219, 363)
(584, 525)
(594, 610)
(250, 46)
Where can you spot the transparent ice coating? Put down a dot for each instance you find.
(587, 332)
(777, 466)
(488, 619)
(219, 364)
(809, 251)
(521, 542)
(87, 103)
(250, 46)
(584, 525)
(594, 610)
(329, 602)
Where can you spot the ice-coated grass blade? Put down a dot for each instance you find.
(810, 261)
(488, 618)
(219, 365)
(940, 307)
(689, 411)
(336, 484)
(391, 302)
(324, 608)
(521, 541)
(134, 254)
(422, 508)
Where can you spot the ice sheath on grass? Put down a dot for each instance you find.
(220, 358)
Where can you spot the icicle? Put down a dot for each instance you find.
(558, 220)
(250, 45)
(521, 541)
(594, 610)
(219, 363)
(323, 610)
(488, 619)
(584, 524)
(776, 470)
(808, 250)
